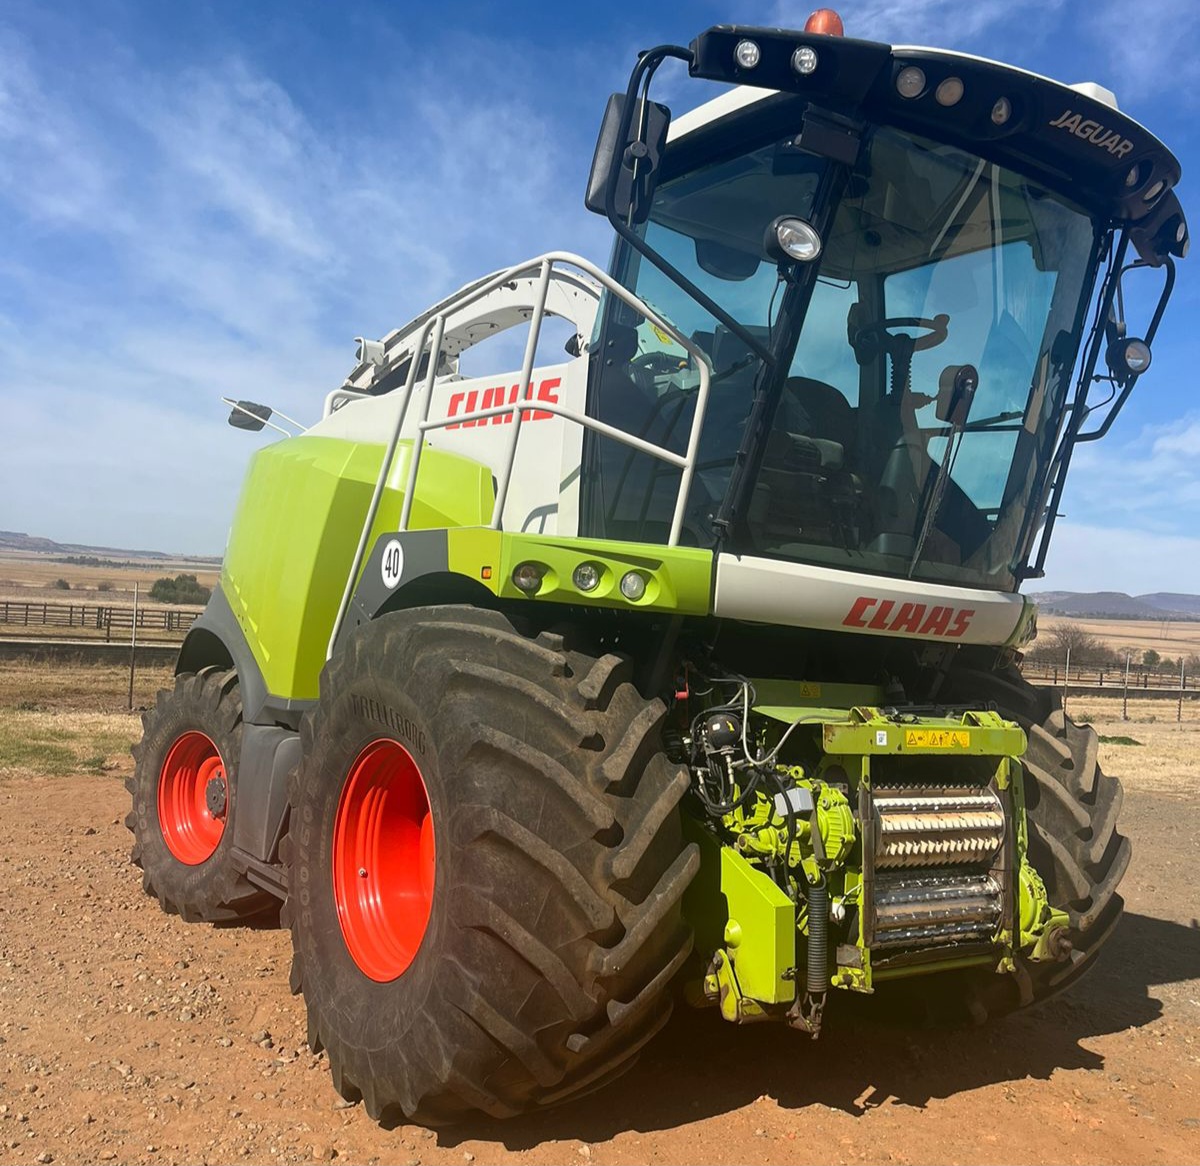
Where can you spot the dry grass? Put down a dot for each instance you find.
(61, 744)
(27, 686)
(1167, 637)
(32, 631)
(57, 719)
(32, 577)
(1166, 757)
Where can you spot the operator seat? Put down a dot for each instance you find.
(808, 489)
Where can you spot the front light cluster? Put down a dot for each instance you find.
(586, 577)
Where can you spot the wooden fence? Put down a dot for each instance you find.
(1113, 676)
(95, 617)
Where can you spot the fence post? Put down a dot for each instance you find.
(1125, 698)
(133, 644)
(1182, 677)
(1066, 678)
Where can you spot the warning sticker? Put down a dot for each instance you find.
(937, 738)
(809, 690)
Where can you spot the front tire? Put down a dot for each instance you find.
(526, 939)
(1072, 809)
(184, 789)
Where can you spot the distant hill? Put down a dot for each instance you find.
(1119, 605)
(12, 540)
(1173, 601)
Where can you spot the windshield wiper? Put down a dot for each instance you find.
(962, 396)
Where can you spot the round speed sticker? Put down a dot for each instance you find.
(393, 563)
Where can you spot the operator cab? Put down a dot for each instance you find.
(893, 402)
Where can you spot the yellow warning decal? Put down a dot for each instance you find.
(937, 739)
(809, 690)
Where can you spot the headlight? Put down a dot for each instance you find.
(794, 239)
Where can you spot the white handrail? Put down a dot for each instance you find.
(436, 322)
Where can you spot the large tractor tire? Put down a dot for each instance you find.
(1072, 809)
(485, 868)
(184, 788)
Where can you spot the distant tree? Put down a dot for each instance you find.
(61, 585)
(104, 586)
(1086, 649)
(1151, 659)
(181, 589)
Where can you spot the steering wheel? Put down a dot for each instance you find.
(880, 334)
(872, 339)
(659, 363)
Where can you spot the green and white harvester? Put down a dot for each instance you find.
(683, 663)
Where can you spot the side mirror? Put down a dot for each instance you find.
(628, 163)
(249, 415)
(956, 393)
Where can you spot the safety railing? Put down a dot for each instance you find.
(430, 336)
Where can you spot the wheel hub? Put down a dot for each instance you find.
(193, 797)
(383, 860)
(214, 796)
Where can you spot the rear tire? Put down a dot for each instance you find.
(558, 867)
(184, 789)
(1072, 809)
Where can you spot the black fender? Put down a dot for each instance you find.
(426, 579)
(270, 737)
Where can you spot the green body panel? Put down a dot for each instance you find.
(786, 700)
(678, 579)
(295, 531)
(738, 911)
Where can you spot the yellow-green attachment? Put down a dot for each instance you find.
(788, 700)
(295, 532)
(738, 911)
(867, 731)
(586, 572)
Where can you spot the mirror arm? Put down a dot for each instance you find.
(1127, 388)
(1078, 415)
(648, 62)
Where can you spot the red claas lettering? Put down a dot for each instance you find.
(913, 619)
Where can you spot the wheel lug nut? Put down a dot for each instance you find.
(362, 872)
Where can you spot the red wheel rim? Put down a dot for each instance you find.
(193, 796)
(383, 860)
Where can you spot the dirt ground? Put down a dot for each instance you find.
(129, 1036)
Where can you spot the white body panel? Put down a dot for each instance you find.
(543, 497)
(799, 595)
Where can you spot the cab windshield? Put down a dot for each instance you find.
(922, 397)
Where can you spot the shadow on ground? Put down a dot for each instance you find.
(699, 1067)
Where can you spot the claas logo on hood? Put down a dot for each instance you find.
(911, 619)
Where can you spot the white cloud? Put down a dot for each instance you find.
(1136, 53)
(209, 237)
(944, 23)
(1150, 481)
(1086, 557)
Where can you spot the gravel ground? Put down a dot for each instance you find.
(129, 1036)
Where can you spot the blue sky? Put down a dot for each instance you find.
(200, 199)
